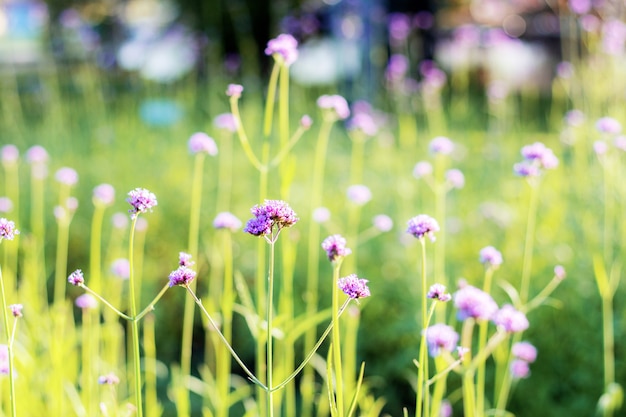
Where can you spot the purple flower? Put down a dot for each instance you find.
(441, 336)
(4, 359)
(335, 104)
(445, 409)
(285, 47)
(399, 27)
(580, 6)
(270, 214)
(335, 247)
(524, 351)
(565, 69)
(121, 268)
(103, 195)
(182, 276)
(397, 67)
(16, 310)
(234, 90)
(184, 259)
(574, 118)
(363, 122)
(608, 125)
(226, 220)
(455, 178)
(559, 272)
(620, 142)
(76, 278)
(382, 222)
(359, 194)
(423, 225)
(141, 201)
(475, 303)
(510, 319)
(10, 154)
(491, 256)
(86, 301)
(7, 229)
(519, 369)
(422, 169)
(321, 215)
(67, 176)
(306, 122)
(526, 169)
(353, 286)
(108, 379)
(225, 121)
(438, 292)
(441, 145)
(6, 205)
(600, 147)
(36, 155)
(119, 220)
(201, 142)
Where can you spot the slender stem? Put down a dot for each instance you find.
(283, 106)
(221, 336)
(529, 242)
(336, 344)
(150, 360)
(422, 372)
(271, 97)
(243, 138)
(7, 332)
(482, 339)
(105, 302)
(150, 306)
(608, 340)
(134, 325)
(270, 325)
(222, 355)
(61, 257)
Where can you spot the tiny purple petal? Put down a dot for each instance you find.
(141, 201)
(353, 286)
(182, 276)
(201, 142)
(423, 225)
(438, 292)
(184, 259)
(86, 301)
(76, 278)
(7, 229)
(16, 310)
(335, 247)
(108, 379)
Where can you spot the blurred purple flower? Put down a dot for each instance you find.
(16, 310)
(121, 267)
(321, 215)
(7, 229)
(441, 337)
(10, 154)
(182, 276)
(36, 155)
(226, 220)
(608, 125)
(519, 369)
(104, 195)
(108, 379)
(441, 145)
(359, 194)
(335, 104)
(491, 256)
(455, 178)
(141, 201)
(234, 90)
(422, 169)
(284, 46)
(353, 286)
(67, 176)
(382, 222)
(201, 142)
(86, 301)
(6, 205)
(335, 247)
(574, 118)
(524, 351)
(511, 319)
(423, 225)
(559, 272)
(225, 121)
(472, 302)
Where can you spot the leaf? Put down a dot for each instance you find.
(602, 279)
(511, 292)
(356, 391)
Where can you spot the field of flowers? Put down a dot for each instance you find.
(246, 244)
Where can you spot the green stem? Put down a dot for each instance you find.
(422, 372)
(482, 339)
(270, 325)
(134, 325)
(150, 360)
(152, 303)
(608, 340)
(336, 344)
(105, 302)
(5, 316)
(222, 355)
(271, 97)
(529, 242)
(243, 138)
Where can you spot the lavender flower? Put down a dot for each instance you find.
(306, 122)
(10, 155)
(445, 409)
(36, 155)
(363, 122)
(608, 125)
(141, 201)
(422, 169)
(455, 178)
(600, 147)
(559, 272)
(441, 337)
(86, 302)
(6, 205)
(438, 292)
(201, 142)
(321, 215)
(226, 220)
(382, 222)
(108, 379)
(284, 48)
(182, 276)
(580, 6)
(66, 176)
(270, 214)
(76, 278)
(519, 369)
(225, 121)
(103, 195)
(335, 247)
(4, 359)
(423, 225)
(7, 229)
(574, 118)
(359, 194)
(441, 145)
(16, 310)
(335, 105)
(511, 319)
(524, 351)
(491, 256)
(119, 220)
(540, 155)
(184, 259)
(472, 302)
(526, 169)
(234, 90)
(121, 268)
(353, 286)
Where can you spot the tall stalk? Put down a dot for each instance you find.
(134, 323)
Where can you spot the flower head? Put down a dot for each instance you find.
(7, 229)
(438, 292)
(559, 272)
(234, 90)
(141, 201)
(359, 194)
(353, 286)
(441, 145)
(108, 379)
(490, 256)
(270, 214)
(382, 222)
(306, 122)
(9, 154)
(441, 336)
(519, 369)
(184, 259)
(225, 121)
(335, 247)
(201, 142)
(121, 268)
(226, 220)
(472, 302)
(66, 176)
(524, 351)
(455, 178)
(510, 319)
(86, 301)
(335, 105)
(423, 225)
(103, 195)
(182, 276)
(284, 47)
(37, 155)
(76, 278)
(608, 125)
(536, 156)
(422, 169)
(6, 205)
(321, 215)
(16, 310)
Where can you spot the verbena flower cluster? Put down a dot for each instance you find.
(335, 247)
(441, 337)
(7, 229)
(353, 286)
(285, 47)
(141, 201)
(423, 226)
(267, 216)
(537, 157)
